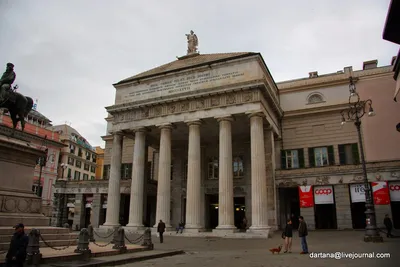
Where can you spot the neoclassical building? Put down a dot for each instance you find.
(210, 140)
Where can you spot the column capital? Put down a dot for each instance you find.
(255, 113)
(225, 118)
(194, 122)
(165, 126)
(120, 133)
(140, 129)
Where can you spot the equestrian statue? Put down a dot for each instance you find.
(17, 105)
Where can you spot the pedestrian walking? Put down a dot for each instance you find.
(161, 230)
(288, 236)
(389, 225)
(303, 232)
(17, 251)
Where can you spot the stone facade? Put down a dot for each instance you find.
(218, 133)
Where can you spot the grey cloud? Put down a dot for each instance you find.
(69, 53)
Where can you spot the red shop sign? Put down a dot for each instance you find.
(306, 195)
(380, 192)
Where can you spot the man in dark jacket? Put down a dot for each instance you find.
(303, 232)
(17, 252)
(389, 225)
(161, 230)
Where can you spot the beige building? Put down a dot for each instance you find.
(211, 139)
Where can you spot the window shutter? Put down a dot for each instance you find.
(283, 159)
(311, 157)
(301, 158)
(331, 155)
(356, 155)
(342, 155)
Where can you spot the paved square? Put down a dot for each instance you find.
(221, 252)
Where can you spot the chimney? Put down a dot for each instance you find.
(313, 74)
(393, 60)
(372, 64)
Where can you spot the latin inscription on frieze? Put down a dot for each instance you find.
(212, 78)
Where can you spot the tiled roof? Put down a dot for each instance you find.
(187, 62)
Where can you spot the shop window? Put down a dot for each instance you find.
(348, 154)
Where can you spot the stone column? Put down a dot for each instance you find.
(137, 187)
(114, 195)
(96, 209)
(259, 217)
(225, 190)
(79, 214)
(163, 211)
(193, 195)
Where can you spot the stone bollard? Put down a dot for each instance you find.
(147, 239)
(33, 249)
(83, 244)
(91, 233)
(119, 239)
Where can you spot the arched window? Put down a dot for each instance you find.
(315, 98)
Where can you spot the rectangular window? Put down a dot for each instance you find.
(92, 177)
(36, 188)
(78, 164)
(126, 171)
(92, 169)
(77, 175)
(238, 169)
(93, 158)
(87, 155)
(71, 161)
(69, 175)
(106, 172)
(292, 159)
(72, 149)
(321, 156)
(86, 167)
(213, 168)
(80, 152)
(348, 154)
(85, 177)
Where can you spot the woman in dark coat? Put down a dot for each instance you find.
(288, 236)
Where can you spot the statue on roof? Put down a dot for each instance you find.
(193, 42)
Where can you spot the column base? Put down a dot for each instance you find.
(193, 230)
(109, 226)
(260, 230)
(225, 229)
(134, 228)
(374, 239)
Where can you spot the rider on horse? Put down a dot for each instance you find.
(6, 81)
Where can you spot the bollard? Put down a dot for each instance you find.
(33, 249)
(83, 244)
(147, 239)
(119, 239)
(91, 233)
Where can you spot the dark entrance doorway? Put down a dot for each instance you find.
(395, 205)
(240, 211)
(289, 206)
(124, 209)
(212, 210)
(88, 213)
(358, 215)
(325, 216)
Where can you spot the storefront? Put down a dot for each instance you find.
(324, 208)
(357, 197)
(394, 190)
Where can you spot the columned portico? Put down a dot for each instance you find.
(225, 190)
(193, 204)
(114, 196)
(137, 188)
(259, 215)
(163, 211)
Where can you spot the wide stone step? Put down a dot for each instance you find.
(51, 243)
(43, 230)
(64, 236)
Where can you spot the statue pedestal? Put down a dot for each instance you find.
(18, 204)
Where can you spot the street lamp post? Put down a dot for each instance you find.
(356, 110)
(63, 167)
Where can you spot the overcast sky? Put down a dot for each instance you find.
(69, 53)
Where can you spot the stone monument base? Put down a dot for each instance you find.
(18, 204)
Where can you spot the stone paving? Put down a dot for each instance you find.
(221, 252)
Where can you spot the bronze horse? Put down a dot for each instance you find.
(18, 106)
